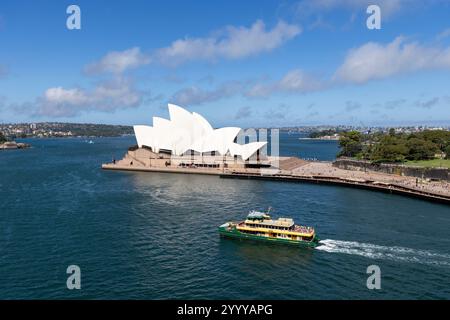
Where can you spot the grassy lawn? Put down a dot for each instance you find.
(429, 163)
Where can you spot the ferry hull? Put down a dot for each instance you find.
(240, 235)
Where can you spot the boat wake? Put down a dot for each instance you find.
(373, 251)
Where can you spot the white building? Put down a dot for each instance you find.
(187, 133)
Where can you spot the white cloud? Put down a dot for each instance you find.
(377, 61)
(119, 61)
(60, 95)
(368, 62)
(229, 43)
(295, 81)
(107, 97)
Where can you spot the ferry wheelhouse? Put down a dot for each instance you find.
(260, 226)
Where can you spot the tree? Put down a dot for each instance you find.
(389, 149)
(441, 138)
(350, 144)
(447, 152)
(420, 149)
(2, 137)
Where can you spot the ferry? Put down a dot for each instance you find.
(260, 226)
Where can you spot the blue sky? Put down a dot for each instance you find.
(245, 63)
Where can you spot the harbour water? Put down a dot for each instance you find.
(154, 236)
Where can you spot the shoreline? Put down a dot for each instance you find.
(320, 139)
(393, 189)
(306, 173)
(13, 145)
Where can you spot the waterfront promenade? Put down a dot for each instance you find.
(296, 170)
(325, 169)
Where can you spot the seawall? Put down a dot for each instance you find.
(398, 169)
(287, 176)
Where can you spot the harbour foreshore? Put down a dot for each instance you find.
(296, 170)
(12, 145)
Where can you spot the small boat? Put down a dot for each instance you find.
(260, 226)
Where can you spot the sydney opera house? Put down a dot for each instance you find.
(188, 140)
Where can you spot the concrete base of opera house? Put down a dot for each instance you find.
(144, 158)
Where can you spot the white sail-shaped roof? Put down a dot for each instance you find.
(190, 131)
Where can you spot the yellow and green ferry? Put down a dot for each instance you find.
(260, 226)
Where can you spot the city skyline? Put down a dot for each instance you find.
(269, 63)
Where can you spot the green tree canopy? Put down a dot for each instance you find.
(389, 149)
(395, 147)
(350, 143)
(447, 152)
(420, 149)
(2, 137)
(441, 138)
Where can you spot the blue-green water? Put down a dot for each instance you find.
(154, 236)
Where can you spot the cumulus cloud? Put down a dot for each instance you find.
(230, 43)
(377, 61)
(370, 61)
(107, 97)
(119, 61)
(295, 81)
